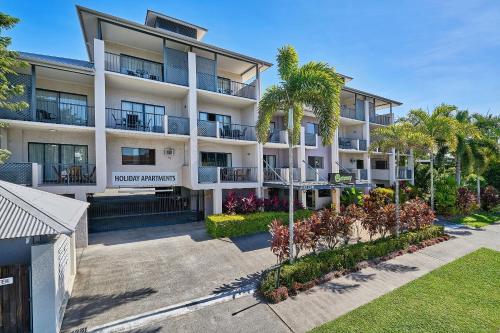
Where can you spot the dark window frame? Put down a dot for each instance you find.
(140, 160)
(229, 159)
(314, 164)
(59, 146)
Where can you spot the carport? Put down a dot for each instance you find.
(135, 208)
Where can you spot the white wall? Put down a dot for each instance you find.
(53, 273)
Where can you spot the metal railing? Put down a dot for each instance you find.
(68, 174)
(17, 173)
(363, 145)
(134, 120)
(211, 82)
(383, 119)
(64, 113)
(178, 125)
(275, 136)
(352, 113)
(132, 66)
(207, 175)
(207, 128)
(238, 175)
(312, 174)
(280, 174)
(349, 143)
(404, 173)
(310, 139)
(363, 174)
(237, 132)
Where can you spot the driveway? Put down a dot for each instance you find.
(128, 272)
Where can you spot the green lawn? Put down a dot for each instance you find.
(478, 219)
(462, 296)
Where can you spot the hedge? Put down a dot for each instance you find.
(314, 266)
(223, 225)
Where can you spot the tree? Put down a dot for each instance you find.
(9, 61)
(440, 127)
(400, 137)
(315, 85)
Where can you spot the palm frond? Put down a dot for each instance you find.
(288, 62)
(273, 100)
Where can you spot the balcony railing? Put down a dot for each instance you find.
(214, 83)
(310, 139)
(356, 144)
(280, 174)
(132, 66)
(277, 136)
(383, 119)
(68, 174)
(352, 113)
(207, 128)
(312, 174)
(207, 175)
(17, 173)
(178, 125)
(404, 173)
(237, 132)
(134, 120)
(238, 175)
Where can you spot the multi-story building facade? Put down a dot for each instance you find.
(156, 108)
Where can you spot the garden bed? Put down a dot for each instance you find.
(226, 225)
(315, 268)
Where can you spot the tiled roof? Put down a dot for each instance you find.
(26, 212)
(86, 65)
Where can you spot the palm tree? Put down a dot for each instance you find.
(399, 137)
(441, 127)
(314, 84)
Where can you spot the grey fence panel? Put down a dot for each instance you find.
(206, 78)
(25, 80)
(207, 175)
(207, 128)
(178, 125)
(17, 173)
(362, 145)
(176, 67)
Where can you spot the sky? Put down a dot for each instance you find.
(421, 53)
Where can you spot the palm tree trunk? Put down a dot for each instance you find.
(478, 189)
(396, 194)
(290, 180)
(432, 181)
(458, 170)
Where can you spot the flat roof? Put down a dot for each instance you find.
(57, 61)
(361, 92)
(151, 15)
(162, 34)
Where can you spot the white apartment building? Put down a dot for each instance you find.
(159, 121)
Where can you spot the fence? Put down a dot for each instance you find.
(207, 128)
(237, 132)
(214, 83)
(238, 175)
(207, 175)
(178, 125)
(134, 120)
(17, 173)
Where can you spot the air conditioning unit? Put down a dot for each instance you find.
(169, 152)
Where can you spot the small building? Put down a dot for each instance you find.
(40, 234)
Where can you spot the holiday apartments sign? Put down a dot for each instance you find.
(143, 179)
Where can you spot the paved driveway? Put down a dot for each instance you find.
(128, 272)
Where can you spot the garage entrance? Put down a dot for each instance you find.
(153, 208)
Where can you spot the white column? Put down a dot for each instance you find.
(366, 136)
(217, 197)
(392, 167)
(335, 152)
(100, 115)
(411, 166)
(193, 123)
(301, 156)
(35, 175)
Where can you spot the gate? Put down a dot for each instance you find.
(14, 299)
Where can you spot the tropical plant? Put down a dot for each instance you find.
(490, 198)
(231, 203)
(466, 200)
(302, 237)
(351, 195)
(417, 214)
(440, 127)
(446, 193)
(400, 137)
(315, 85)
(9, 61)
(470, 181)
(279, 240)
(331, 227)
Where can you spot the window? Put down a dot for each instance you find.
(360, 164)
(270, 161)
(324, 193)
(315, 162)
(311, 128)
(214, 117)
(145, 115)
(138, 156)
(216, 159)
(381, 165)
(62, 107)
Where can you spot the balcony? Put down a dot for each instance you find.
(54, 112)
(177, 125)
(382, 119)
(381, 174)
(352, 113)
(134, 120)
(280, 174)
(17, 173)
(312, 174)
(207, 128)
(220, 130)
(176, 71)
(360, 174)
(355, 144)
(310, 139)
(68, 174)
(404, 173)
(212, 175)
(278, 136)
(224, 86)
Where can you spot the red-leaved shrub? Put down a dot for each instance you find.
(301, 237)
(466, 200)
(489, 198)
(416, 214)
(231, 204)
(279, 240)
(387, 219)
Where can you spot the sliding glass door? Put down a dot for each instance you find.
(62, 108)
(216, 159)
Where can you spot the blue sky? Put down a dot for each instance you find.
(421, 53)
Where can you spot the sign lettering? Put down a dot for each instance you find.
(341, 178)
(144, 178)
(6, 281)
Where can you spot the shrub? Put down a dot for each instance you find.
(231, 204)
(416, 215)
(279, 240)
(330, 227)
(489, 198)
(274, 204)
(315, 226)
(387, 219)
(225, 225)
(445, 194)
(351, 196)
(302, 237)
(313, 266)
(466, 200)
(471, 182)
(250, 204)
(380, 196)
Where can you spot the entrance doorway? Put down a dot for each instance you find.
(14, 299)
(310, 199)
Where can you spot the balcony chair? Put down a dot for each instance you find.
(89, 178)
(118, 122)
(242, 134)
